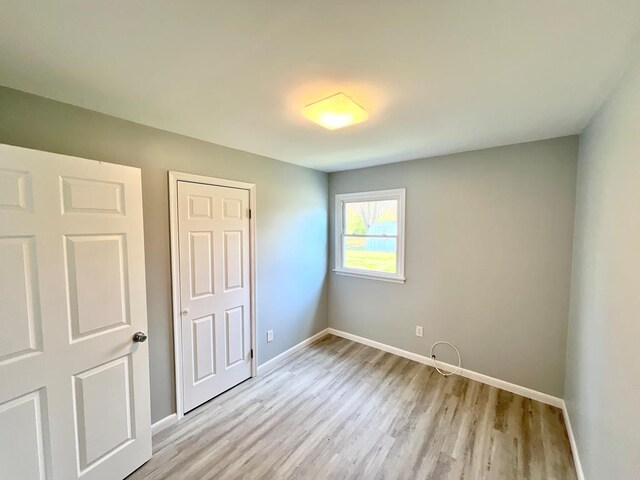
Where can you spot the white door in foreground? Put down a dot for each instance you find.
(213, 236)
(74, 385)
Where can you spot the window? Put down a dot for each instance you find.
(370, 234)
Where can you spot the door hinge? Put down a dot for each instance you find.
(252, 353)
(249, 213)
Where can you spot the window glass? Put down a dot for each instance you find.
(370, 253)
(371, 218)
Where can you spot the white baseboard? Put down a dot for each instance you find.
(270, 364)
(166, 422)
(572, 441)
(494, 382)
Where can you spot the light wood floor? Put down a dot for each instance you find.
(338, 409)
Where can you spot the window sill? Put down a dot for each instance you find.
(370, 276)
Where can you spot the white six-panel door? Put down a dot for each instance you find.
(74, 387)
(213, 236)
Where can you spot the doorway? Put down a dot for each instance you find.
(213, 282)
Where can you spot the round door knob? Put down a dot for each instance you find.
(185, 311)
(139, 337)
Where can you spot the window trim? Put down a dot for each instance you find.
(398, 194)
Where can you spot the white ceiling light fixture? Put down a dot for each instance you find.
(336, 111)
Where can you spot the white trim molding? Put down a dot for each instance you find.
(494, 382)
(271, 364)
(163, 424)
(572, 442)
(399, 195)
(174, 178)
(369, 276)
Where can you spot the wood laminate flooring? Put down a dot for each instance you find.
(342, 410)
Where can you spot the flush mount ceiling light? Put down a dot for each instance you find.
(335, 112)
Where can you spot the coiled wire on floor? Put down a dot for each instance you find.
(433, 357)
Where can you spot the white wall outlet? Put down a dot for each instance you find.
(418, 331)
(269, 336)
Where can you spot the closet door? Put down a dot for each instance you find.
(215, 291)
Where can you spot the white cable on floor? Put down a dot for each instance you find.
(431, 354)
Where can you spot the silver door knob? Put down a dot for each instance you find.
(139, 337)
(185, 312)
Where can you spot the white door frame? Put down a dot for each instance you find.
(174, 178)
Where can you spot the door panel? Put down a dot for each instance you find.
(200, 207)
(201, 264)
(15, 190)
(234, 333)
(233, 261)
(103, 411)
(20, 320)
(72, 293)
(22, 455)
(96, 283)
(204, 359)
(231, 208)
(213, 233)
(82, 195)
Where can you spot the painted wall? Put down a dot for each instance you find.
(488, 260)
(291, 217)
(603, 357)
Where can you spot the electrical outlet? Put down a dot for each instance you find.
(269, 336)
(418, 331)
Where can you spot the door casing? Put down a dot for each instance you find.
(174, 178)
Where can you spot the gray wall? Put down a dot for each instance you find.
(291, 230)
(488, 260)
(603, 357)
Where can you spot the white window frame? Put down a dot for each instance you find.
(380, 195)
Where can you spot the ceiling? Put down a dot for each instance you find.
(436, 76)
